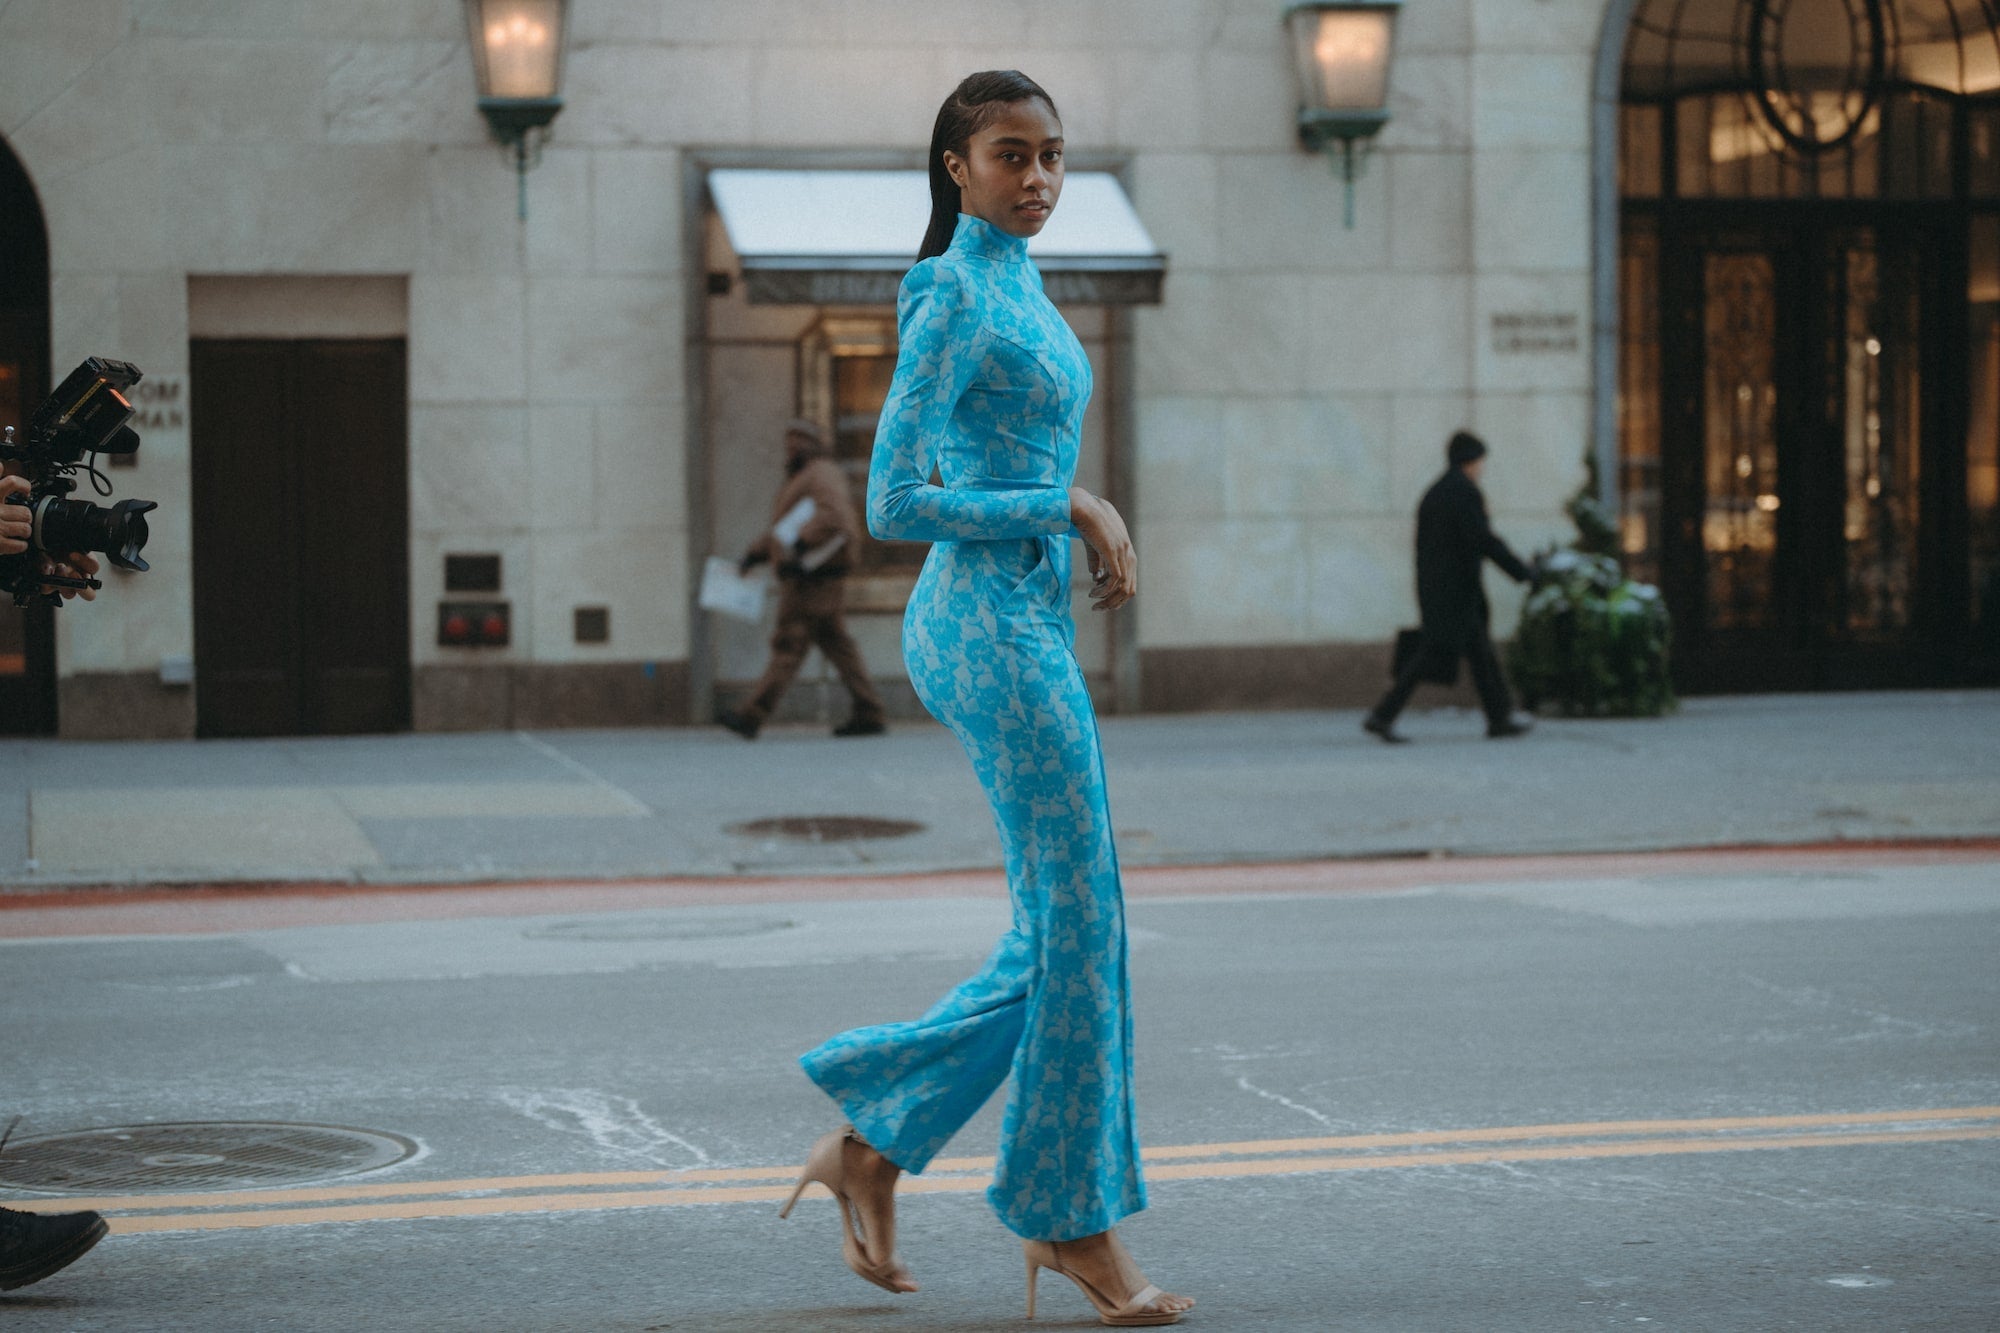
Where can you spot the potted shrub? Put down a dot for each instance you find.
(1592, 643)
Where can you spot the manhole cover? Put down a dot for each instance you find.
(827, 828)
(157, 1159)
(656, 928)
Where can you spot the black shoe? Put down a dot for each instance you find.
(1515, 724)
(34, 1245)
(1384, 728)
(742, 724)
(861, 726)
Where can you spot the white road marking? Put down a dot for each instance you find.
(613, 1122)
(584, 771)
(1286, 1102)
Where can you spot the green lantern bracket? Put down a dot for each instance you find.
(520, 125)
(1345, 137)
(1343, 51)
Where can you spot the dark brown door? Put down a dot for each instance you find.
(300, 521)
(27, 634)
(1806, 425)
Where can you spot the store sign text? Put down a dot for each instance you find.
(1521, 332)
(161, 401)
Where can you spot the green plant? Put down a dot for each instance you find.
(1592, 643)
(1596, 526)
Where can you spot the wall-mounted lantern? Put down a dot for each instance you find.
(1342, 50)
(517, 51)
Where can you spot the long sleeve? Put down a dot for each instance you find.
(1488, 543)
(942, 342)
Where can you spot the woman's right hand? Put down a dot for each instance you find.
(1114, 565)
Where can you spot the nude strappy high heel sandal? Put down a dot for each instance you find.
(825, 1165)
(1131, 1314)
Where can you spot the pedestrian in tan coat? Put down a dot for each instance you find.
(813, 560)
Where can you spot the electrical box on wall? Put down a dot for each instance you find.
(473, 624)
(472, 573)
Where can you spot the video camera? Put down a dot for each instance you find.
(85, 415)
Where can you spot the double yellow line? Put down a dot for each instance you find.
(605, 1190)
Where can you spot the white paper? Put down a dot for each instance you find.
(726, 591)
(788, 528)
(822, 553)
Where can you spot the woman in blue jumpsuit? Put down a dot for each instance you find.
(990, 390)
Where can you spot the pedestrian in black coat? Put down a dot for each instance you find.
(1454, 540)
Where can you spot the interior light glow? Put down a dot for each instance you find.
(1351, 49)
(520, 38)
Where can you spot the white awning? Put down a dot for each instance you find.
(847, 237)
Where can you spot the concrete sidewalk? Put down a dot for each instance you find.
(1185, 789)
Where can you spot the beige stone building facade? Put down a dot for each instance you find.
(590, 395)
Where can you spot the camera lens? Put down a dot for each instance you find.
(63, 526)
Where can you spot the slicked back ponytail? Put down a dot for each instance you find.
(970, 108)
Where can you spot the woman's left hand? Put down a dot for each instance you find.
(1114, 565)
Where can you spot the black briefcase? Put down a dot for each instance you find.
(1439, 668)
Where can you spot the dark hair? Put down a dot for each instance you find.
(971, 107)
(1465, 447)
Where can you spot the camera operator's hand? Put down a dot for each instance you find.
(17, 525)
(80, 565)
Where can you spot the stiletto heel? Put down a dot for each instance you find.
(825, 1165)
(1130, 1314)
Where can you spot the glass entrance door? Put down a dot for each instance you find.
(1793, 419)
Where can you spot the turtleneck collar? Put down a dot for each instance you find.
(981, 239)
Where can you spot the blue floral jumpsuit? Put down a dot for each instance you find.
(990, 388)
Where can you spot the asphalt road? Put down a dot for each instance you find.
(1716, 1095)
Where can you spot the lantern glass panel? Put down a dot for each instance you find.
(517, 47)
(1343, 57)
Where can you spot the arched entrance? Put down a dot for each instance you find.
(1808, 359)
(27, 637)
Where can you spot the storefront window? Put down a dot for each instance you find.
(1725, 149)
(1782, 101)
(1639, 399)
(1879, 356)
(1740, 400)
(1982, 138)
(1639, 152)
(845, 365)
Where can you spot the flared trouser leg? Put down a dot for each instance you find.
(1050, 1006)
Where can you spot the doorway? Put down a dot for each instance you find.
(27, 634)
(1805, 415)
(1804, 386)
(301, 549)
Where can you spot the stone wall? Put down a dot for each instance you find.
(1292, 394)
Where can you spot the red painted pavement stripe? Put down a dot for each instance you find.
(228, 909)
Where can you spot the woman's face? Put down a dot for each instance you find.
(1012, 171)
